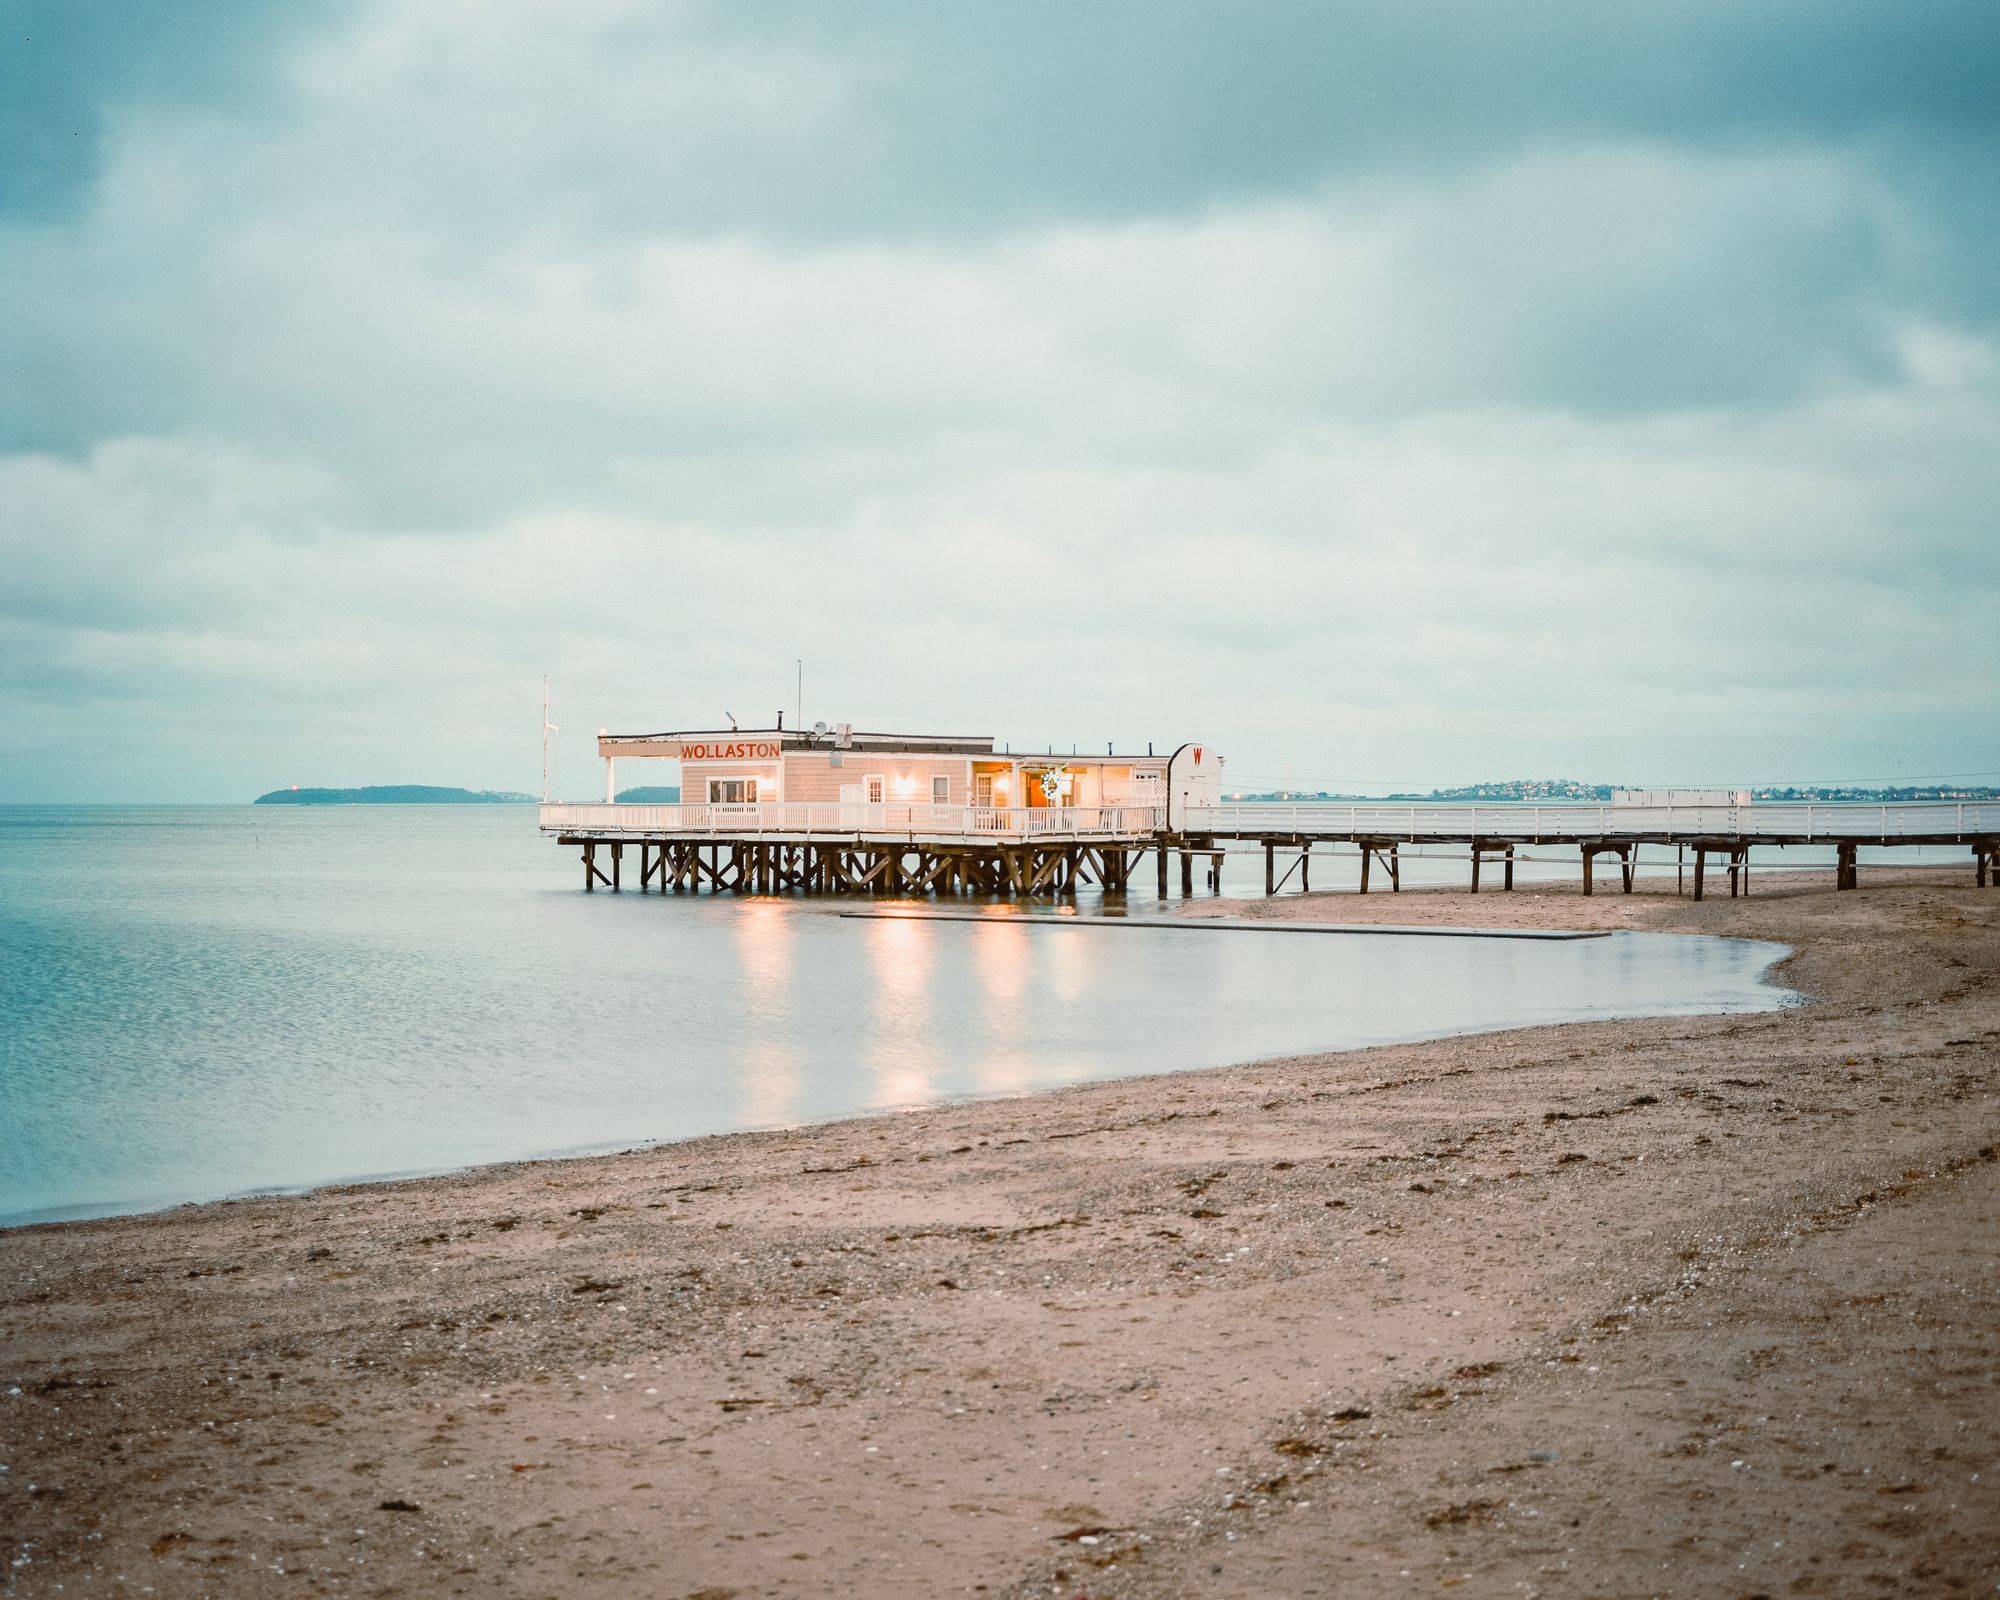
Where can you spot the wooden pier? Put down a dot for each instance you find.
(1051, 851)
(861, 866)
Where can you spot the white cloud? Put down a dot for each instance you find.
(1620, 458)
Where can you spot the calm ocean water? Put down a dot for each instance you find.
(206, 1001)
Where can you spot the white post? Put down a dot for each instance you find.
(610, 779)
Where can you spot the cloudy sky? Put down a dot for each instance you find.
(1390, 392)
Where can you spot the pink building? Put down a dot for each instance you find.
(925, 776)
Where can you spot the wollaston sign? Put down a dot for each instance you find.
(695, 749)
(731, 750)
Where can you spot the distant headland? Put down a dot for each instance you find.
(394, 794)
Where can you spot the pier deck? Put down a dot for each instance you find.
(1050, 850)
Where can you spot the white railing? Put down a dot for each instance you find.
(839, 817)
(1803, 822)
(1943, 819)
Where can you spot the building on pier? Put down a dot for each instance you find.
(841, 811)
(837, 811)
(824, 766)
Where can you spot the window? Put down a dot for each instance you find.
(875, 788)
(940, 790)
(732, 791)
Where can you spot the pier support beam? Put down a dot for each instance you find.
(1986, 861)
(1502, 855)
(1273, 881)
(1373, 850)
(1738, 857)
(1627, 855)
(1845, 873)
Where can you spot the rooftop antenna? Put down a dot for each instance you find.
(799, 708)
(548, 728)
(732, 720)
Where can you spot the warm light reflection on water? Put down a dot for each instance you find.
(1001, 957)
(763, 936)
(1005, 1069)
(206, 1001)
(898, 1055)
(771, 1077)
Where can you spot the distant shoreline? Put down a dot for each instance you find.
(394, 794)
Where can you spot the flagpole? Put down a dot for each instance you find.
(548, 728)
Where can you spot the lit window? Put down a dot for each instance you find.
(940, 790)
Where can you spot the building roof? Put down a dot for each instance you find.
(794, 741)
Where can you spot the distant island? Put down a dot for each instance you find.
(656, 794)
(394, 794)
(1560, 790)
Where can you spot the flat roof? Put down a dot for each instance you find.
(795, 741)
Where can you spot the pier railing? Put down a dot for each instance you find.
(1800, 823)
(835, 818)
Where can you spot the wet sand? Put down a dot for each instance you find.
(1695, 1306)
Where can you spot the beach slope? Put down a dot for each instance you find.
(1692, 1306)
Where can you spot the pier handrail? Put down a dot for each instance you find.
(836, 818)
(1800, 822)
(1796, 821)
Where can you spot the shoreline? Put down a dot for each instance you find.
(1119, 1330)
(1215, 914)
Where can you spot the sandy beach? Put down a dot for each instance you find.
(1699, 1306)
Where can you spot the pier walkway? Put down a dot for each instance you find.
(1049, 850)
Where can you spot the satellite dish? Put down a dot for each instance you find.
(820, 730)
